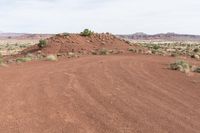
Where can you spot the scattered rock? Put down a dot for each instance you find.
(171, 50)
(103, 43)
(59, 54)
(196, 56)
(149, 52)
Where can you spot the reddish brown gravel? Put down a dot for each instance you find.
(99, 94)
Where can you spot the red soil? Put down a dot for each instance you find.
(99, 94)
(81, 44)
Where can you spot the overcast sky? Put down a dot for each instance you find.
(116, 16)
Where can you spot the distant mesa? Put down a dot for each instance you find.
(170, 36)
(23, 36)
(140, 34)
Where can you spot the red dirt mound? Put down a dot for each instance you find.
(81, 44)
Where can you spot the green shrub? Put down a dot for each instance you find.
(156, 47)
(52, 58)
(23, 59)
(42, 43)
(103, 51)
(86, 32)
(196, 50)
(66, 34)
(58, 35)
(180, 65)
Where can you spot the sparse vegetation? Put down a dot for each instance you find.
(156, 47)
(66, 34)
(58, 35)
(174, 49)
(52, 58)
(23, 59)
(103, 51)
(14, 46)
(42, 43)
(86, 32)
(1, 59)
(180, 65)
(196, 50)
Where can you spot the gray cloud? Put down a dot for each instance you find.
(117, 16)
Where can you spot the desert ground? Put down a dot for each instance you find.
(13, 46)
(97, 84)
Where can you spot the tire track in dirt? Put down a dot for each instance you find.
(157, 85)
(95, 94)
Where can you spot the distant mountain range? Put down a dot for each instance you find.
(2, 34)
(136, 36)
(162, 36)
(23, 36)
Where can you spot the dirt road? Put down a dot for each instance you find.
(99, 94)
